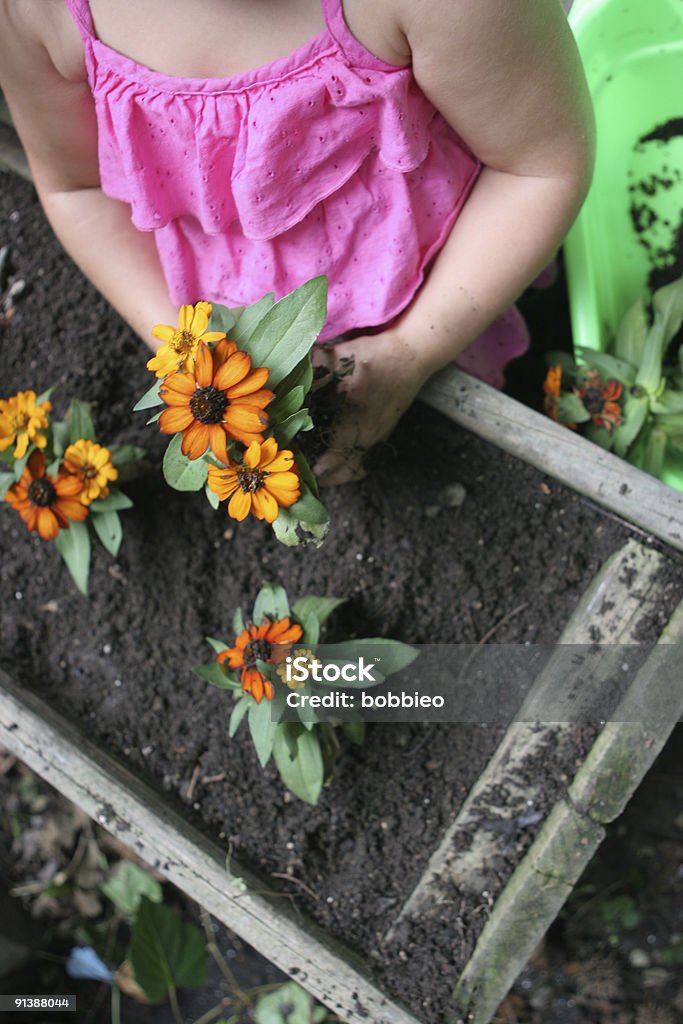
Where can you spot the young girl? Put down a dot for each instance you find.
(427, 155)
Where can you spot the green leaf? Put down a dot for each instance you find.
(285, 528)
(288, 1004)
(212, 497)
(669, 403)
(249, 320)
(60, 437)
(608, 366)
(45, 396)
(635, 411)
(107, 526)
(238, 712)
(151, 397)
(653, 457)
(670, 424)
(181, 473)
(126, 886)
(668, 307)
(285, 430)
(271, 601)
(262, 729)
(300, 376)
(354, 731)
(6, 481)
(20, 464)
(319, 607)
(309, 509)
(287, 331)
(215, 674)
(164, 951)
(154, 419)
(73, 545)
(222, 318)
(238, 624)
(394, 655)
(632, 333)
(81, 426)
(570, 409)
(600, 435)
(564, 360)
(116, 501)
(217, 645)
(304, 772)
(123, 454)
(286, 406)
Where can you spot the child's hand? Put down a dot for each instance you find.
(387, 375)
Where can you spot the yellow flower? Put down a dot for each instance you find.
(180, 343)
(263, 483)
(20, 419)
(92, 464)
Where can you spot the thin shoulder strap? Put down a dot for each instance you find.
(81, 14)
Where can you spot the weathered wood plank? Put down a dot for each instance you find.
(142, 818)
(576, 462)
(622, 754)
(468, 851)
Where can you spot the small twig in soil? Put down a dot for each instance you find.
(208, 779)
(293, 878)
(215, 1011)
(506, 618)
(193, 782)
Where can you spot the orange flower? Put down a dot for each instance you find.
(220, 398)
(551, 387)
(269, 642)
(263, 483)
(45, 503)
(180, 343)
(601, 400)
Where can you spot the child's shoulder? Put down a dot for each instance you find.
(34, 30)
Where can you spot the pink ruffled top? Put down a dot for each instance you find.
(328, 161)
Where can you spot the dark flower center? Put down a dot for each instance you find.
(89, 471)
(208, 405)
(42, 492)
(250, 480)
(593, 401)
(256, 650)
(183, 341)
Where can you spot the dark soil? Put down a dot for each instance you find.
(510, 564)
(666, 259)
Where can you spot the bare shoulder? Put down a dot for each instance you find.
(42, 75)
(507, 75)
(39, 33)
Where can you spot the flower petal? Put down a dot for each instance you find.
(203, 366)
(239, 505)
(265, 505)
(233, 370)
(174, 419)
(252, 455)
(195, 439)
(252, 382)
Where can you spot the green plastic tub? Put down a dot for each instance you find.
(632, 52)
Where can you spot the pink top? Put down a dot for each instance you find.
(328, 161)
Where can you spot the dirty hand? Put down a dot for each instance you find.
(387, 375)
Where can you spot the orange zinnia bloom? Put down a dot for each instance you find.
(551, 387)
(601, 400)
(45, 503)
(263, 483)
(269, 642)
(220, 398)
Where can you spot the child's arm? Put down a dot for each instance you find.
(507, 76)
(54, 114)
